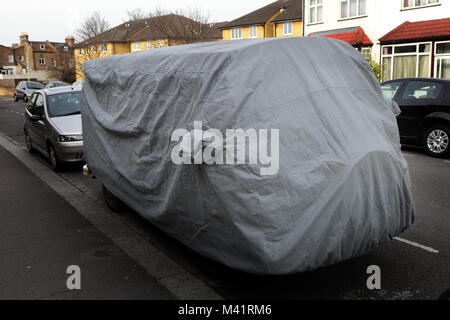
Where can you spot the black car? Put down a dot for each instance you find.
(25, 89)
(425, 117)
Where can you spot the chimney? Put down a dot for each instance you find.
(23, 37)
(70, 41)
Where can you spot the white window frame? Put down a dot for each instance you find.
(104, 48)
(79, 51)
(315, 4)
(10, 58)
(438, 56)
(288, 32)
(150, 44)
(236, 33)
(159, 43)
(358, 15)
(66, 48)
(417, 54)
(253, 32)
(41, 61)
(137, 45)
(42, 46)
(414, 6)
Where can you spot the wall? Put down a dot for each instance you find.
(382, 17)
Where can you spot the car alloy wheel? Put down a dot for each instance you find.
(438, 141)
(28, 142)
(53, 159)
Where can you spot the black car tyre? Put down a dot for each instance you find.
(28, 142)
(53, 157)
(15, 98)
(114, 204)
(437, 141)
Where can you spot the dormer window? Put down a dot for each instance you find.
(42, 46)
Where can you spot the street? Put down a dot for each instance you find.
(414, 266)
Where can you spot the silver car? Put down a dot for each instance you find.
(53, 125)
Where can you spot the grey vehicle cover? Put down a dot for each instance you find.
(342, 188)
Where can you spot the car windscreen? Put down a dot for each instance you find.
(34, 85)
(63, 104)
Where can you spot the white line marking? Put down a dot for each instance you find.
(415, 244)
(408, 155)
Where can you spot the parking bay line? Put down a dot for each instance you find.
(417, 245)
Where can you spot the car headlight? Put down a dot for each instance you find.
(70, 138)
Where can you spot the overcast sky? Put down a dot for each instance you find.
(55, 19)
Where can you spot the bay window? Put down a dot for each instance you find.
(406, 61)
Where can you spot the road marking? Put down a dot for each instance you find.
(417, 245)
(408, 155)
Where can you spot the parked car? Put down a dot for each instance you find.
(55, 84)
(25, 89)
(425, 117)
(53, 125)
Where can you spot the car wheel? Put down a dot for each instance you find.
(15, 98)
(56, 164)
(437, 141)
(28, 142)
(114, 204)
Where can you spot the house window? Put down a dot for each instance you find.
(41, 61)
(66, 48)
(10, 59)
(366, 52)
(442, 64)
(253, 32)
(53, 62)
(315, 11)
(236, 33)
(79, 51)
(137, 45)
(85, 51)
(149, 44)
(42, 46)
(104, 47)
(287, 28)
(21, 58)
(159, 44)
(406, 61)
(353, 8)
(94, 49)
(408, 4)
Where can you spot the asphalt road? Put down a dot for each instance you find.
(418, 267)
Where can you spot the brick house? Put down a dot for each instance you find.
(44, 58)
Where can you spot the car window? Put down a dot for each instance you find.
(417, 90)
(64, 104)
(30, 105)
(39, 105)
(34, 85)
(390, 89)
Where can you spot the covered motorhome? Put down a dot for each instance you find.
(325, 180)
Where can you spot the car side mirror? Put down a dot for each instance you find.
(35, 118)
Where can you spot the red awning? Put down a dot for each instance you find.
(354, 36)
(421, 30)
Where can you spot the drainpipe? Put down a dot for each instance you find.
(303, 17)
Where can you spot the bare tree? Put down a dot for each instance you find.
(137, 14)
(93, 25)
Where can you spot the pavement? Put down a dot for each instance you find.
(415, 266)
(41, 235)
